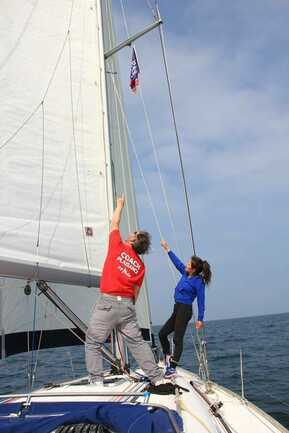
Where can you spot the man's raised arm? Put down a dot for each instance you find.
(116, 217)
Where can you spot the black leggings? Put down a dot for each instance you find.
(177, 323)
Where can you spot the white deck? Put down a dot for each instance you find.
(240, 416)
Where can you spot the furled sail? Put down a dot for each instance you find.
(57, 159)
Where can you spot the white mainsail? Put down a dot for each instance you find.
(57, 158)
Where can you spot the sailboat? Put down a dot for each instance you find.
(64, 159)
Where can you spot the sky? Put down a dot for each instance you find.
(228, 64)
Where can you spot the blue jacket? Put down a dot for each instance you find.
(189, 288)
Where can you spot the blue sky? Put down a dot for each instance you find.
(229, 70)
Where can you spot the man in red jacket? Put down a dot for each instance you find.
(122, 277)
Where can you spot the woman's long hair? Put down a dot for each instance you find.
(203, 268)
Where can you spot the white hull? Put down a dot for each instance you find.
(235, 415)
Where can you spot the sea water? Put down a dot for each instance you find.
(264, 341)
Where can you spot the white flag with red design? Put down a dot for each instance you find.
(134, 71)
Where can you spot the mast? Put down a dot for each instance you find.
(120, 160)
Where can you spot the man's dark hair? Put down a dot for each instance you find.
(142, 243)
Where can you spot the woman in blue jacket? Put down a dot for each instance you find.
(195, 275)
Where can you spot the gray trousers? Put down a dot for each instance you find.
(114, 312)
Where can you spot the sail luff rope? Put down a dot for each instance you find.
(143, 176)
(76, 159)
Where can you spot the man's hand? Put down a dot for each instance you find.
(116, 217)
(199, 325)
(165, 245)
(120, 202)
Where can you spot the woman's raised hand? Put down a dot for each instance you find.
(165, 245)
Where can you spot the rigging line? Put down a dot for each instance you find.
(42, 176)
(32, 345)
(111, 63)
(102, 89)
(156, 157)
(150, 6)
(201, 355)
(137, 159)
(195, 346)
(47, 88)
(130, 227)
(78, 337)
(60, 180)
(67, 36)
(56, 65)
(148, 123)
(161, 33)
(21, 126)
(160, 174)
(124, 17)
(18, 40)
(28, 358)
(120, 121)
(36, 360)
(142, 175)
(76, 160)
(50, 311)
